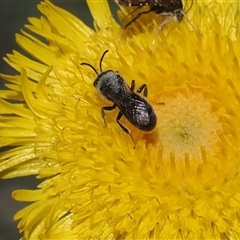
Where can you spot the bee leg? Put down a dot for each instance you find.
(145, 90)
(107, 108)
(126, 130)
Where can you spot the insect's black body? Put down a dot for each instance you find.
(134, 107)
(158, 6)
(172, 8)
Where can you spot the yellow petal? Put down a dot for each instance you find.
(101, 13)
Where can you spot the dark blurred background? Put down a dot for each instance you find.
(13, 16)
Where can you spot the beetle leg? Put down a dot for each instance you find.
(145, 90)
(126, 130)
(160, 27)
(107, 108)
(132, 85)
(137, 16)
(131, 13)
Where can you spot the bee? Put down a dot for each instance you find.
(137, 110)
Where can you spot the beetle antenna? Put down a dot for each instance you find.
(100, 64)
(91, 66)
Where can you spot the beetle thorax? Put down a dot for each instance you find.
(108, 82)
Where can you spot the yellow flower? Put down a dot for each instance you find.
(181, 181)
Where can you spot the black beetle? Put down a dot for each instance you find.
(134, 107)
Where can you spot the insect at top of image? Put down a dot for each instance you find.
(131, 104)
(172, 9)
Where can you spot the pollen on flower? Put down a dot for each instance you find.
(187, 122)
